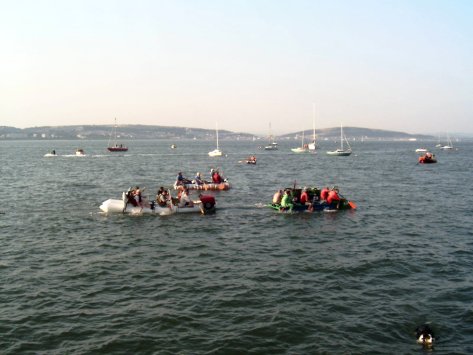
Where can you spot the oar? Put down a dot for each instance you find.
(350, 203)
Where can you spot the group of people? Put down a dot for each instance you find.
(135, 197)
(215, 178)
(164, 198)
(290, 200)
(251, 159)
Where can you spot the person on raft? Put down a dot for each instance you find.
(181, 180)
(286, 201)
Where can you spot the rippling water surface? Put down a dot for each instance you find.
(246, 279)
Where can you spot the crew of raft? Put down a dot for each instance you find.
(215, 178)
(311, 199)
(163, 198)
(427, 158)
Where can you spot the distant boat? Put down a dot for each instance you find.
(272, 144)
(216, 152)
(80, 152)
(341, 152)
(304, 148)
(173, 146)
(52, 153)
(113, 145)
(449, 145)
(421, 150)
(313, 145)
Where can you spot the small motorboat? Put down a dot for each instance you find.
(421, 150)
(427, 158)
(173, 146)
(205, 205)
(80, 152)
(52, 153)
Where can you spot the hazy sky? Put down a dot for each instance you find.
(403, 65)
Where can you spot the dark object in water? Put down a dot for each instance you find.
(425, 334)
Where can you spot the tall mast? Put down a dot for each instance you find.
(341, 134)
(313, 120)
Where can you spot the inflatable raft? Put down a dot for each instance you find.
(205, 205)
(205, 186)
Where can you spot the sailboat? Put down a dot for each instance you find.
(313, 145)
(449, 145)
(303, 148)
(216, 152)
(341, 152)
(272, 144)
(115, 147)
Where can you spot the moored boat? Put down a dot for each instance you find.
(205, 205)
(216, 152)
(304, 148)
(115, 147)
(272, 144)
(341, 152)
(80, 152)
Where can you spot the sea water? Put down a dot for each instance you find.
(244, 280)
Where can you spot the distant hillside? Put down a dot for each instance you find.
(164, 132)
(123, 132)
(358, 133)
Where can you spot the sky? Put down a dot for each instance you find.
(402, 65)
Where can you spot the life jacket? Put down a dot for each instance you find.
(333, 196)
(324, 194)
(304, 197)
(216, 178)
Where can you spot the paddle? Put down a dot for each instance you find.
(350, 203)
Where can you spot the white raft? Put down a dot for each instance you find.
(205, 205)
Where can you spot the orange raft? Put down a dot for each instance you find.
(427, 158)
(206, 186)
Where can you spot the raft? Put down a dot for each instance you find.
(344, 204)
(206, 186)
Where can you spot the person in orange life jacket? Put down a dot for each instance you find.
(324, 194)
(333, 199)
(304, 199)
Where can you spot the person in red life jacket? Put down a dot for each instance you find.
(304, 199)
(216, 178)
(333, 198)
(324, 194)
